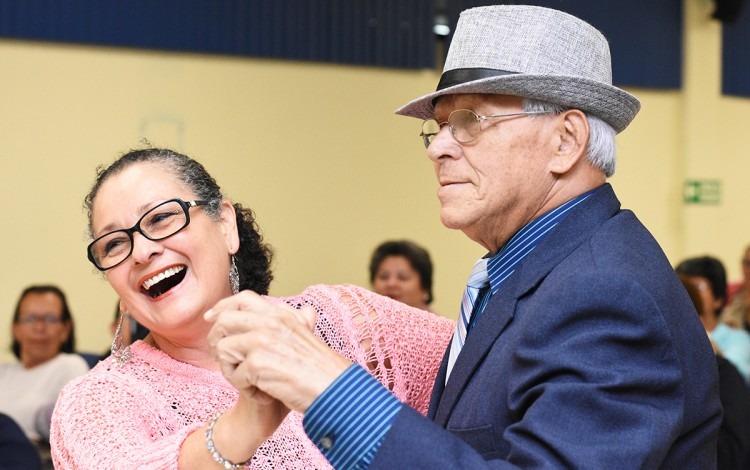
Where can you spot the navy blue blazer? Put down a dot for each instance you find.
(590, 355)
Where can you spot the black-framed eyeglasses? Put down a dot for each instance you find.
(465, 125)
(158, 223)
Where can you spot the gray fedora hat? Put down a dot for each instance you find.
(533, 52)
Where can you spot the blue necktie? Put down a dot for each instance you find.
(477, 280)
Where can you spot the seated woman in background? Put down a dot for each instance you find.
(172, 245)
(43, 342)
(402, 270)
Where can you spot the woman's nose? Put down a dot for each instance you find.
(144, 249)
(392, 281)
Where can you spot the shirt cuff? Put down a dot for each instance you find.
(349, 420)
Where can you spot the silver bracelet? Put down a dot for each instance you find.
(215, 453)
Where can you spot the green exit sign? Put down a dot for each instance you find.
(702, 192)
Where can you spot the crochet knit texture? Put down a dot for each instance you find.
(138, 415)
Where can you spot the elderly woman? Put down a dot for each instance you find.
(172, 245)
(402, 270)
(43, 342)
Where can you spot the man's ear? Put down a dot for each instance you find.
(571, 138)
(228, 223)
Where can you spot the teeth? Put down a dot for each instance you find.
(161, 276)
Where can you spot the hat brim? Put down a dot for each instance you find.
(609, 103)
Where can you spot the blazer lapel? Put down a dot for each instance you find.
(439, 386)
(497, 316)
(569, 234)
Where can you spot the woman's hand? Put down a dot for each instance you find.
(272, 346)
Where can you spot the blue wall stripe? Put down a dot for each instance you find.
(389, 33)
(735, 76)
(645, 37)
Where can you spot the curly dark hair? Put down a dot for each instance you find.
(254, 255)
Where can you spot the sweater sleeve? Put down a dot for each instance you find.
(109, 420)
(401, 346)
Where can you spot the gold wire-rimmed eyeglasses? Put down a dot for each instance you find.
(465, 125)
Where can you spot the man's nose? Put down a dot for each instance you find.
(442, 145)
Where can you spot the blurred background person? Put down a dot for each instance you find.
(737, 312)
(402, 270)
(709, 276)
(733, 444)
(44, 344)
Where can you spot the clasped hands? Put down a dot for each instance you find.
(268, 350)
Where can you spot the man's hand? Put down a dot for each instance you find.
(272, 346)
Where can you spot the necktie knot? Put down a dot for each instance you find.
(479, 277)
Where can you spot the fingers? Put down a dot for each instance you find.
(267, 335)
(231, 315)
(244, 301)
(294, 368)
(254, 393)
(269, 349)
(262, 327)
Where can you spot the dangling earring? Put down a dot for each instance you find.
(120, 351)
(234, 277)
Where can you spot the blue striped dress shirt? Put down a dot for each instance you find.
(349, 420)
(501, 265)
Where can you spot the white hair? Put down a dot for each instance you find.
(600, 151)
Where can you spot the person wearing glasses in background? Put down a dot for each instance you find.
(572, 349)
(172, 245)
(44, 343)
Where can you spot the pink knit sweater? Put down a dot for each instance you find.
(138, 415)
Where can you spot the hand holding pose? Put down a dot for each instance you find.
(272, 346)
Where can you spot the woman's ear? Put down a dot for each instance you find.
(228, 224)
(124, 309)
(572, 137)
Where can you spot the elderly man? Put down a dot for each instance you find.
(572, 347)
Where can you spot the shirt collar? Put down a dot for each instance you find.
(502, 265)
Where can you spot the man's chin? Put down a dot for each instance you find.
(451, 220)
